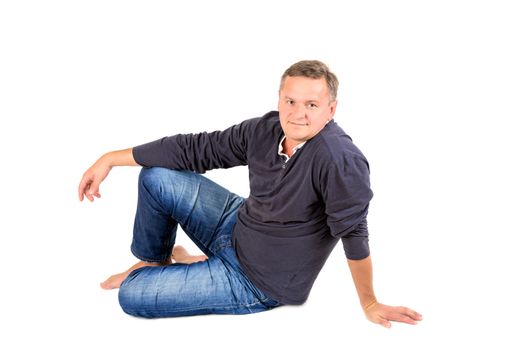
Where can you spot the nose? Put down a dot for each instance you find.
(299, 111)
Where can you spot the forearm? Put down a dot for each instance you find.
(119, 158)
(362, 273)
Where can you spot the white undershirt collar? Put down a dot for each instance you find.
(294, 149)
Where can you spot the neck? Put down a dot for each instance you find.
(288, 145)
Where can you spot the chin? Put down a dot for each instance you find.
(299, 134)
(299, 138)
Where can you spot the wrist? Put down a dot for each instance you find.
(108, 160)
(369, 304)
(119, 158)
(367, 301)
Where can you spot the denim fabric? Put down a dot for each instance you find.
(207, 214)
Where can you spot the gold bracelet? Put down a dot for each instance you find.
(371, 304)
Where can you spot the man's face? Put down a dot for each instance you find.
(305, 107)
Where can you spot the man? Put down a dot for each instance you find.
(309, 187)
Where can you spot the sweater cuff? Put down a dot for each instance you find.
(145, 154)
(356, 248)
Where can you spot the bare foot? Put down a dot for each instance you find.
(181, 255)
(115, 281)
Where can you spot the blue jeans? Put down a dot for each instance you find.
(207, 214)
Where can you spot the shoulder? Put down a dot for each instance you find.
(254, 126)
(271, 116)
(344, 166)
(268, 120)
(266, 126)
(338, 147)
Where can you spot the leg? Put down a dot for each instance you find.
(207, 213)
(116, 280)
(167, 198)
(215, 286)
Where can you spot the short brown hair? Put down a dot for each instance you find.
(313, 69)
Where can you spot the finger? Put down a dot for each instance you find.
(385, 323)
(93, 188)
(402, 318)
(82, 187)
(410, 313)
(87, 193)
(413, 314)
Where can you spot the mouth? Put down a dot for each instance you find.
(298, 124)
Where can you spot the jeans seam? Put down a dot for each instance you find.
(229, 307)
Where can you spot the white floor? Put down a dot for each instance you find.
(431, 93)
(463, 278)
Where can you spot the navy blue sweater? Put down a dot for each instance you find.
(296, 211)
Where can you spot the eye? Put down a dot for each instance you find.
(290, 102)
(312, 105)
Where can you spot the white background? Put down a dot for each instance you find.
(431, 92)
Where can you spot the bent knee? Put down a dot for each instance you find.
(136, 295)
(153, 178)
(127, 298)
(153, 175)
(130, 300)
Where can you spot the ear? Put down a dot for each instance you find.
(332, 109)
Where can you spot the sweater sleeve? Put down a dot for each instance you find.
(347, 194)
(199, 152)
